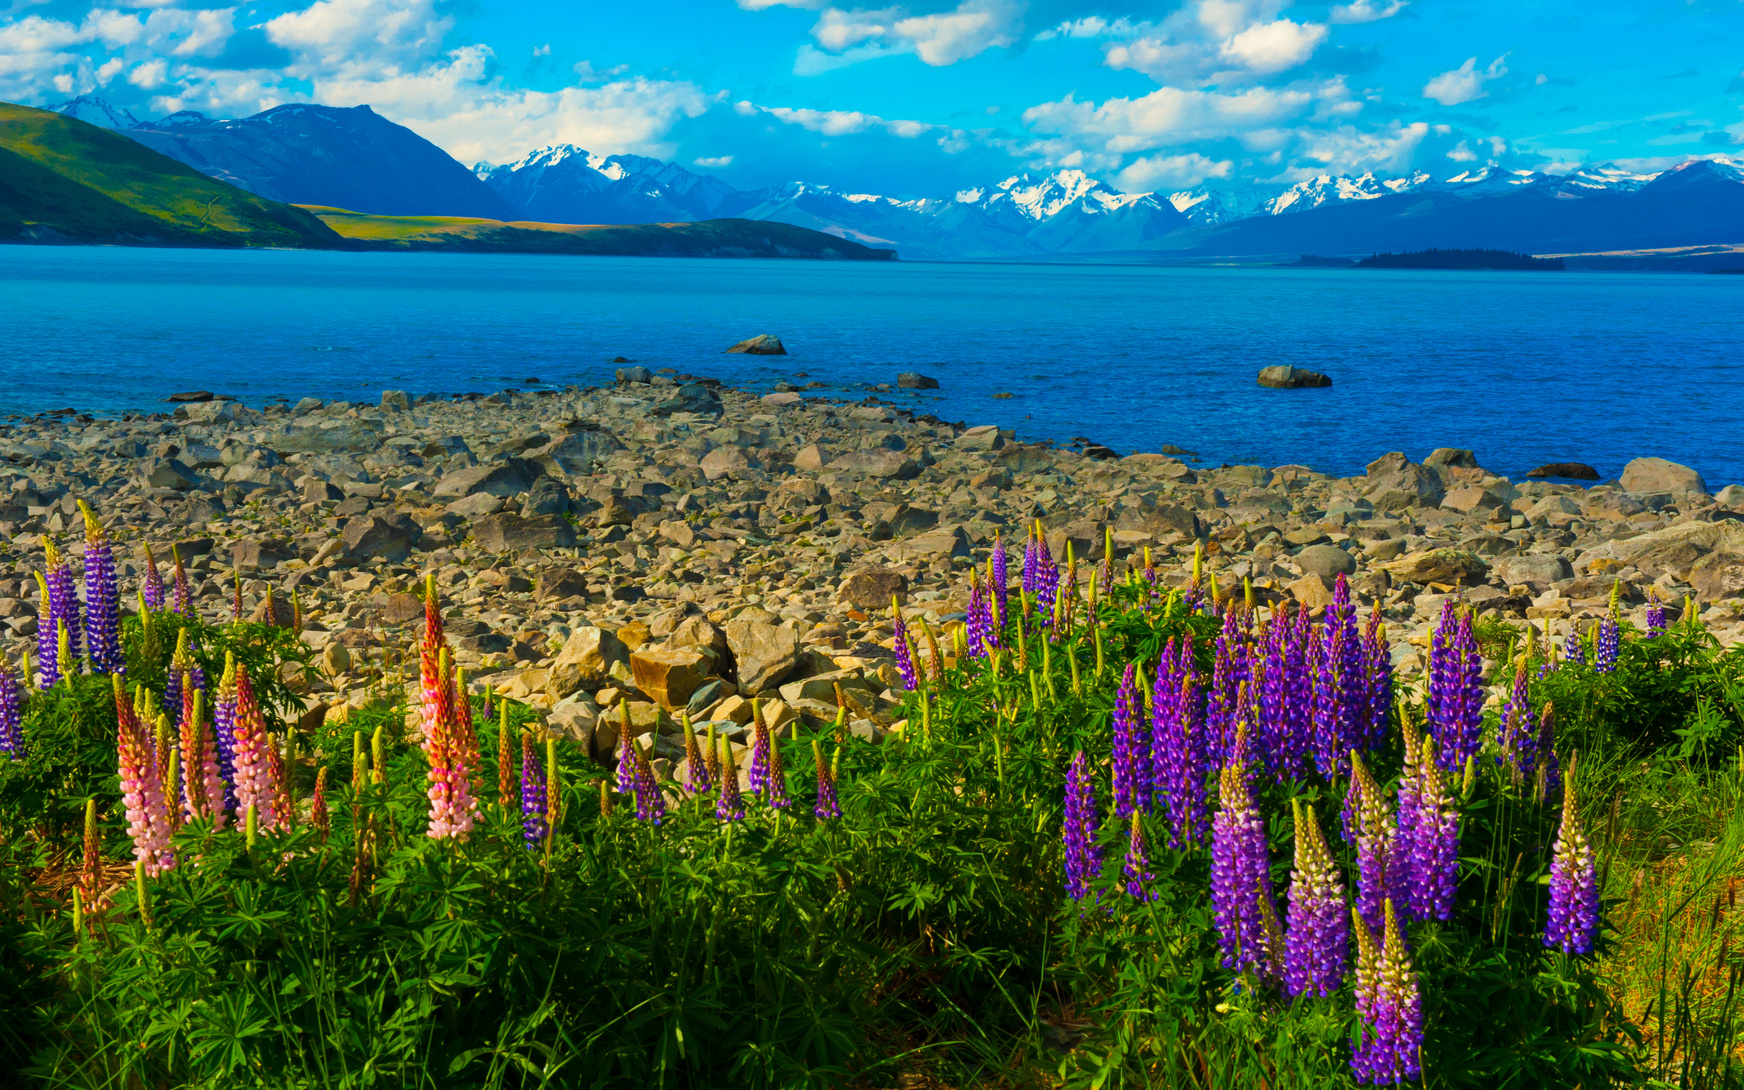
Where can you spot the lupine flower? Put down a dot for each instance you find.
(182, 599)
(202, 788)
(776, 796)
(11, 714)
(650, 801)
(1456, 698)
(533, 824)
(1380, 870)
(1031, 565)
(827, 807)
(729, 806)
(151, 583)
(318, 804)
(142, 789)
(1655, 617)
(760, 747)
(1082, 825)
(47, 640)
(696, 769)
(1178, 752)
(625, 783)
(1230, 672)
(1574, 649)
(447, 737)
(224, 730)
(1240, 870)
(63, 607)
(1378, 660)
(1517, 728)
(1573, 920)
(1317, 946)
(998, 583)
(1429, 853)
(977, 621)
(1131, 750)
(1137, 867)
(1392, 1032)
(1326, 709)
(1606, 645)
(252, 753)
(904, 653)
(1047, 580)
(1549, 779)
(102, 600)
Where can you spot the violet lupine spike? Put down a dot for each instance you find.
(1655, 618)
(729, 804)
(1409, 805)
(827, 807)
(1431, 853)
(1549, 778)
(1574, 649)
(760, 750)
(1270, 689)
(47, 640)
(224, 730)
(1606, 645)
(182, 596)
(1080, 829)
(1456, 697)
(63, 603)
(999, 582)
(1573, 920)
(1517, 728)
(697, 780)
(650, 800)
(1240, 870)
(151, 583)
(776, 796)
(976, 621)
(1165, 693)
(142, 789)
(1126, 755)
(102, 599)
(534, 827)
(11, 714)
(1178, 756)
(1031, 565)
(1378, 663)
(1137, 867)
(1392, 1034)
(1379, 868)
(904, 653)
(1317, 944)
(1230, 673)
(1047, 582)
(1327, 713)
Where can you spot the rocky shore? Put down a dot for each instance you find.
(673, 545)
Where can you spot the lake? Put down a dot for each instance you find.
(1523, 368)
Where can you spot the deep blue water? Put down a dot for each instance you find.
(1523, 368)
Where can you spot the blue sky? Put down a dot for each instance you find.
(931, 96)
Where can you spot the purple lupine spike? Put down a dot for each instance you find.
(224, 730)
(760, 748)
(1606, 645)
(1081, 828)
(1127, 758)
(1549, 777)
(776, 795)
(1317, 945)
(977, 622)
(533, 795)
(1047, 582)
(1031, 565)
(729, 804)
(1573, 920)
(1655, 617)
(1517, 728)
(182, 596)
(1178, 756)
(172, 695)
(1377, 663)
(151, 583)
(1137, 868)
(11, 714)
(1380, 871)
(1391, 1037)
(1240, 868)
(1574, 649)
(827, 807)
(47, 640)
(904, 653)
(1328, 716)
(1456, 696)
(1269, 688)
(999, 581)
(1165, 692)
(1230, 673)
(1430, 852)
(650, 801)
(102, 599)
(63, 604)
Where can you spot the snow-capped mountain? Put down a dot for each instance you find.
(1331, 188)
(96, 111)
(566, 184)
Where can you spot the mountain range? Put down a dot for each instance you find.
(353, 158)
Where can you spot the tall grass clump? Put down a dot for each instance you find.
(1124, 835)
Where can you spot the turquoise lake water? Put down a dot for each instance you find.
(1523, 368)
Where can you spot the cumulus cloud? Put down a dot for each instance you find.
(1167, 116)
(835, 122)
(1365, 11)
(1465, 83)
(1154, 172)
(938, 39)
(38, 52)
(1274, 46)
(332, 34)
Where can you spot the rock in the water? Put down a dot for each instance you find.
(189, 396)
(1574, 471)
(586, 661)
(764, 344)
(872, 589)
(765, 653)
(1326, 561)
(1646, 475)
(1285, 377)
(669, 675)
(505, 532)
(914, 380)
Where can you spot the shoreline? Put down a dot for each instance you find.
(773, 530)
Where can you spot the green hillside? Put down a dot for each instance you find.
(63, 180)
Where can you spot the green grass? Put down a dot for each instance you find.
(65, 180)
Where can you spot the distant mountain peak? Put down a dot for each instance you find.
(97, 111)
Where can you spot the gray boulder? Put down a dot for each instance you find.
(1284, 377)
(1646, 475)
(1326, 561)
(914, 380)
(375, 537)
(1537, 571)
(692, 397)
(764, 653)
(1397, 483)
(168, 473)
(627, 376)
(764, 344)
(505, 532)
(509, 477)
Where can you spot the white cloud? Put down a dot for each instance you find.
(332, 34)
(1158, 171)
(938, 39)
(1465, 83)
(1166, 116)
(1092, 26)
(149, 75)
(714, 162)
(1365, 11)
(109, 69)
(837, 30)
(1275, 46)
(761, 5)
(835, 122)
(1348, 150)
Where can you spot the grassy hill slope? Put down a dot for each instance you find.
(62, 180)
(708, 238)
